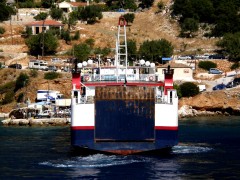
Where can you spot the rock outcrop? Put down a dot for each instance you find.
(222, 102)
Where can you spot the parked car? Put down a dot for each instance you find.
(229, 84)
(217, 56)
(219, 87)
(45, 114)
(236, 81)
(15, 66)
(52, 68)
(214, 71)
(203, 56)
(184, 57)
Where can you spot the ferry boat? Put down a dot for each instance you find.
(123, 109)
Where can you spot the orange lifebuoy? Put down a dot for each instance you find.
(86, 78)
(150, 78)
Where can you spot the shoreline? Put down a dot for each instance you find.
(36, 122)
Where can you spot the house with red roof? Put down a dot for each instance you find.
(70, 6)
(40, 26)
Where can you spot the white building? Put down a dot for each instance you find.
(181, 72)
(70, 6)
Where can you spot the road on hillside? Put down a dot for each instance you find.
(224, 79)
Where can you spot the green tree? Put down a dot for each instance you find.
(20, 98)
(224, 15)
(41, 16)
(35, 43)
(5, 11)
(129, 4)
(189, 89)
(47, 3)
(103, 51)
(227, 18)
(153, 50)
(146, 3)
(177, 87)
(22, 81)
(71, 20)
(231, 45)
(82, 51)
(207, 65)
(56, 13)
(90, 14)
(90, 42)
(66, 36)
(76, 36)
(132, 49)
(189, 26)
(129, 17)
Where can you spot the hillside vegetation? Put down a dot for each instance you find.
(149, 24)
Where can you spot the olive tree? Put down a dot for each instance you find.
(231, 45)
(47, 41)
(152, 50)
(81, 51)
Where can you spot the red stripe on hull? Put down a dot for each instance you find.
(82, 127)
(170, 128)
(121, 83)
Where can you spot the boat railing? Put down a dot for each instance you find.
(90, 100)
(86, 99)
(120, 77)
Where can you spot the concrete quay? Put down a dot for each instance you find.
(37, 122)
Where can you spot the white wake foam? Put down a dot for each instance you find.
(93, 161)
(190, 149)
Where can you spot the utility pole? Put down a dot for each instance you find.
(17, 11)
(43, 32)
(11, 28)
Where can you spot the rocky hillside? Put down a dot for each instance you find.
(148, 25)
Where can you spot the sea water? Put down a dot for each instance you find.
(209, 148)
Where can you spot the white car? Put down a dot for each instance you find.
(46, 114)
(184, 57)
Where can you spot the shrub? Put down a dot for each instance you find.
(2, 30)
(189, 89)
(235, 66)
(160, 5)
(20, 97)
(51, 75)
(129, 17)
(177, 87)
(207, 65)
(21, 81)
(33, 73)
(8, 98)
(7, 87)
(76, 36)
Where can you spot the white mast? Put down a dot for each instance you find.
(122, 48)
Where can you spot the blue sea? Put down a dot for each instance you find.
(209, 148)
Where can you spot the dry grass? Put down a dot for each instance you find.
(148, 25)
